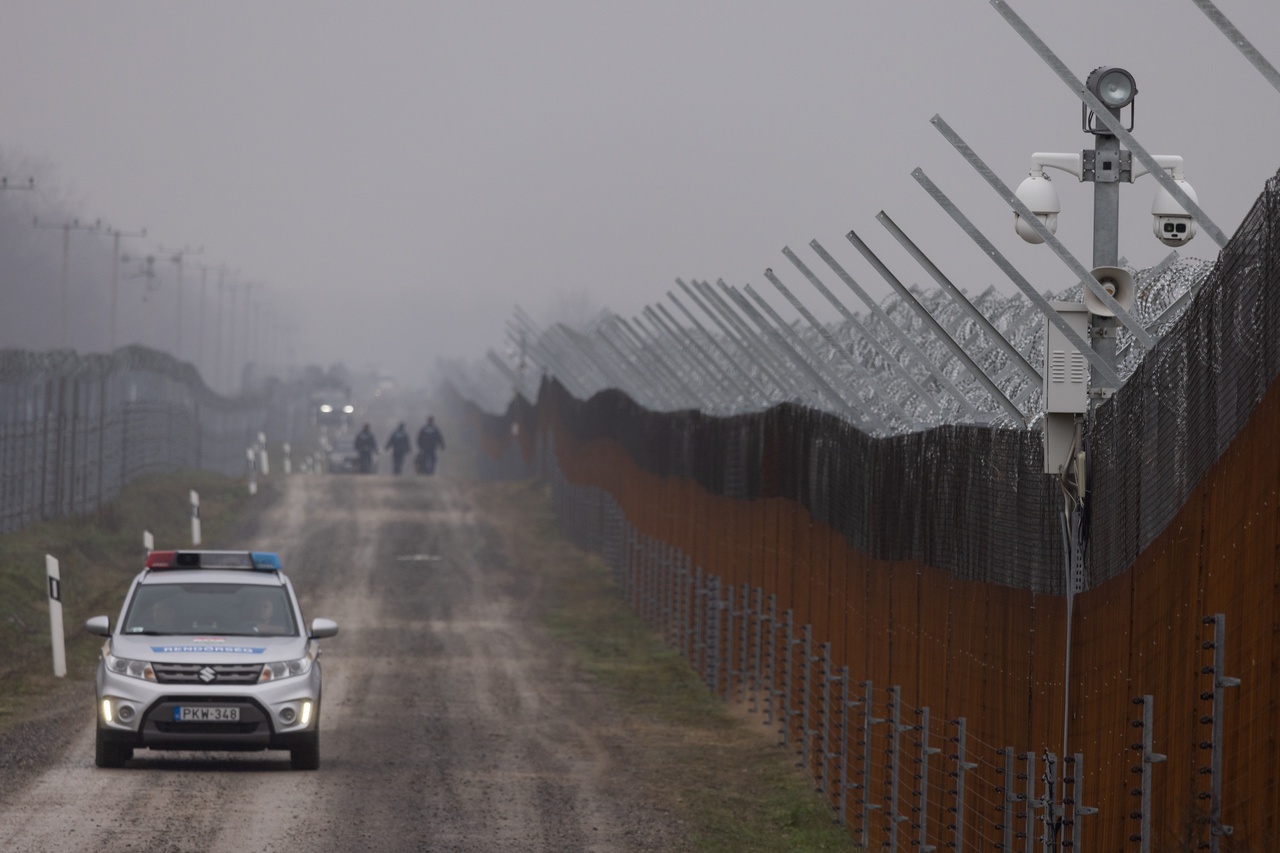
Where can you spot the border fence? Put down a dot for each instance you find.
(75, 429)
(895, 606)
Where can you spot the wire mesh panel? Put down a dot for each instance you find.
(75, 429)
(1183, 405)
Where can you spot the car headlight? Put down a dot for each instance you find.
(133, 668)
(285, 669)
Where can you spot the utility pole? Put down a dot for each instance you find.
(248, 330)
(231, 335)
(64, 336)
(177, 259)
(116, 234)
(29, 185)
(216, 373)
(200, 361)
(148, 273)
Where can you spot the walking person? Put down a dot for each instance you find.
(399, 446)
(430, 439)
(366, 446)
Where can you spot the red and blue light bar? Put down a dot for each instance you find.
(262, 561)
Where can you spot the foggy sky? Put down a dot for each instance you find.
(400, 175)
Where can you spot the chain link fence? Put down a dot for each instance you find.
(74, 429)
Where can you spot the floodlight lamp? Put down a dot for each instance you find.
(1113, 86)
(1116, 89)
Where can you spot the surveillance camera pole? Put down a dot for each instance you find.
(1108, 165)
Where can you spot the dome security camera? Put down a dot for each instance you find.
(1173, 226)
(1036, 192)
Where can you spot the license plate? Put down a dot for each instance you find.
(205, 714)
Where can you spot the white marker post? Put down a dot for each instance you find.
(55, 616)
(262, 453)
(195, 517)
(288, 464)
(253, 471)
(148, 541)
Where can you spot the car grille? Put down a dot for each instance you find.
(207, 673)
(246, 728)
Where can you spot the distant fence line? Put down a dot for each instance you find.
(930, 565)
(74, 429)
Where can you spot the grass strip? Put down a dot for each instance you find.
(98, 555)
(733, 787)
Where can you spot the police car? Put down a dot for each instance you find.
(210, 653)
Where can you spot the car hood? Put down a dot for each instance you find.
(188, 648)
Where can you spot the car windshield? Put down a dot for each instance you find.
(227, 609)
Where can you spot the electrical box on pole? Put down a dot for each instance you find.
(1066, 385)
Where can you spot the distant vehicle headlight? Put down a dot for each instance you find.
(325, 408)
(349, 409)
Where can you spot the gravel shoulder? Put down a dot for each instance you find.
(488, 691)
(450, 719)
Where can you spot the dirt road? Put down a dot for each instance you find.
(449, 722)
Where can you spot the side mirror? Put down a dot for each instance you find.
(321, 628)
(100, 625)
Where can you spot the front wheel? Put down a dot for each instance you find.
(306, 756)
(108, 754)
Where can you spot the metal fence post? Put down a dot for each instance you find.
(1007, 800)
(699, 623)
(771, 682)
(846, 737)
(963, 765)
(806, 697)
(824, 716)
(922, 782)
(714, 606)
(1029, 799)
(730, 635)
(744, 659)
(758, 655)
(868, 720)
(893, 763)
(1143, 836)
(789, 646)
(1076, 782)
(1217, 645)
(1050, 820)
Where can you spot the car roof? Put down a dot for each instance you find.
(231, 576)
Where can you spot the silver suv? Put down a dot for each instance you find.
(210, 653)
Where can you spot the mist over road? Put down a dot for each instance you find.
(449, 720)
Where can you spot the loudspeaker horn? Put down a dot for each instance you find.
(1118, 282)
